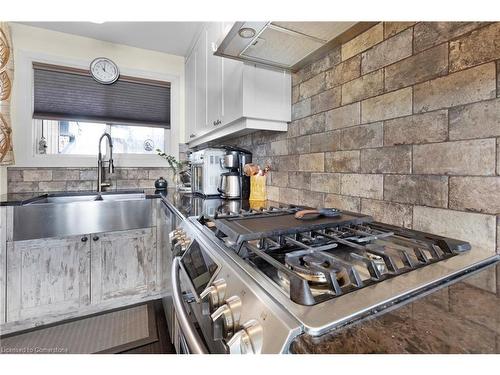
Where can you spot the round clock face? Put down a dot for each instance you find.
(104, 70)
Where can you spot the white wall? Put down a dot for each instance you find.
(36, 44)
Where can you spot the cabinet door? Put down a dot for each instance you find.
(6, 214)
(267, 93)
(123, 264)
(214, 76)
(47, 276)
(200, 51)
(190, 71)
(232, 90)
(166, 225)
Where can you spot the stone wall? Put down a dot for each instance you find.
(22, 180)
(81, 179)
(402, 123)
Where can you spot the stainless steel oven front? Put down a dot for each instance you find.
(218, 308)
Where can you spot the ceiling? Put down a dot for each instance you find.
(170, 37)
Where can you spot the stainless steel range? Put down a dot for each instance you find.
(253, 280)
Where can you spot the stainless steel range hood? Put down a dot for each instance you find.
(287, 45)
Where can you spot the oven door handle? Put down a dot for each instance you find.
(193, 340)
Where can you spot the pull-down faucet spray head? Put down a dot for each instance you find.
(101, 163)
(111, 168)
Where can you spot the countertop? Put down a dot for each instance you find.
(461, 318)
(187, 204)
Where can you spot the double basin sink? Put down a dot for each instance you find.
(61, 215)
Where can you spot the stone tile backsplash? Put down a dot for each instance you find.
(27, 179)
(81, 179)
(402, 123)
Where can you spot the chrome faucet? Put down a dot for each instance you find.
(101, 163)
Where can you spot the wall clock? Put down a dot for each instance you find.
(104, 70)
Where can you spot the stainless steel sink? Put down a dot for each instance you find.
(66, 215)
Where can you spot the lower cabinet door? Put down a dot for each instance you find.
(123, 264)
(47, 277)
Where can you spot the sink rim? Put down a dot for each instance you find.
(87, 197)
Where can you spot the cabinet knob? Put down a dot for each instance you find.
(84, 239)
(95, 238)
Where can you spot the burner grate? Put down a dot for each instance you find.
(330, 262)
(313, 261)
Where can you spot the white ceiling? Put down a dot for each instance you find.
(170, 37)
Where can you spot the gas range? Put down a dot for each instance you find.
(330, 271)
(316, 260)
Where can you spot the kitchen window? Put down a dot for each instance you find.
(81, 138)
(72, 111)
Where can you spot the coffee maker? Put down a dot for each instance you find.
(233, 184)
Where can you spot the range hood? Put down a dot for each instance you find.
(286, 45)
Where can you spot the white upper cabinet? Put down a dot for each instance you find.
(214, 77)
(232, 90)
(225, 97)
(196, 88)
(190, 70)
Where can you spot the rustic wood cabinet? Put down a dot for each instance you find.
(47, 276)
(5, 235)
(51, 279)
(56, 278)
(123, 264)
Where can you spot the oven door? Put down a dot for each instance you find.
(192, 273)
(187, 337)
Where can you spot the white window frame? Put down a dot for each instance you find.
(24, 134)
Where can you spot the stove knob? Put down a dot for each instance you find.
(248, 340)
(178, 247)
(213, 296)
(184, 241)
(226, 319)
(176, 235)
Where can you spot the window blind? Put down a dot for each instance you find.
(62, 93)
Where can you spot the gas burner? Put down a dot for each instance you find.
(317, 289)
(315, 267)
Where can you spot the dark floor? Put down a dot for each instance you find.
(163, 345)
(158, 341)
